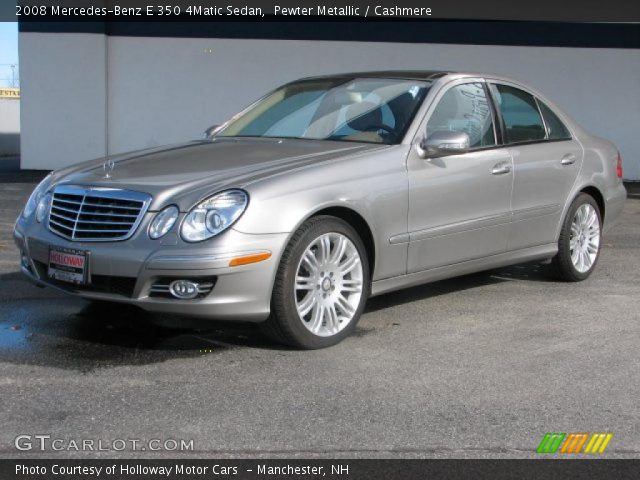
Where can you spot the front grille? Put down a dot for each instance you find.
(96, 214)
(108, 284)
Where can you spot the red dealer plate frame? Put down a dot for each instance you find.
(68, 265)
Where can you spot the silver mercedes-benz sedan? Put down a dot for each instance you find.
(324, 192)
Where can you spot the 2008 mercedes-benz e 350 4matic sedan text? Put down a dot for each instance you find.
(324, 192)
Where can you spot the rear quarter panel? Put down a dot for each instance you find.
(599, 171)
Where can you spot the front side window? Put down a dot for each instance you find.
(555, 128)
(464, 108)
(372, 110)
(520, 114)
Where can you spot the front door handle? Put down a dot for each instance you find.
(568, 159)
(501, 168)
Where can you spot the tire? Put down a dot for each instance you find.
(585, 239)
(316, 306)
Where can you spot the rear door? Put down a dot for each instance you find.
(546, 162)
(459, 205)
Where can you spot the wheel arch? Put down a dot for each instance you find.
(591, 190)
(594, 192)
(360, 225)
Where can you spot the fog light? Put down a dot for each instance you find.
(184, 289)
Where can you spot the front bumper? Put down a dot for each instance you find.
(125, 271)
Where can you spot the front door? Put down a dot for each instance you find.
(459, 205)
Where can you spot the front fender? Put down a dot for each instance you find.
(374, 186)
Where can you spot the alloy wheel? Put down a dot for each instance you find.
(328, 284)
(584, 241)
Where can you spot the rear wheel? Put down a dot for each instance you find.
(580, 240)
(321, 285)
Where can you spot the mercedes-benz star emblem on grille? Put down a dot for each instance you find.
(108, 167)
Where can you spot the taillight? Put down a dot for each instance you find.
(619, 166)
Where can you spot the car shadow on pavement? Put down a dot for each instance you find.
(48, 328)
(532, 272)
(44, 327)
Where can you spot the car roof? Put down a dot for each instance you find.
(422, 75)
(397, 74)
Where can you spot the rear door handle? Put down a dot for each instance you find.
(501, 168)
(568, 159)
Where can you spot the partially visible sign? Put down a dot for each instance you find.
(9, 93)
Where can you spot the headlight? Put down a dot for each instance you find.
(163, 222)
(43, 207)
(35, 197)
(214, 215)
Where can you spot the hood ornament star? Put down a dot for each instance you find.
(108, 167)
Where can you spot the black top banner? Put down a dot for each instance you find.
(570, 23)
(469, 32)
(137, 10)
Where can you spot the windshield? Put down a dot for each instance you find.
(372, 110)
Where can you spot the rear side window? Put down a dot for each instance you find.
(555, 128)
(520, 114)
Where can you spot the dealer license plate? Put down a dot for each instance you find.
(68, 265)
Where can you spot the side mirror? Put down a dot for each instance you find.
(443, 142)
(208, 133)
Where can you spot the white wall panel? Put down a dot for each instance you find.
(62, 82)
(166, 90)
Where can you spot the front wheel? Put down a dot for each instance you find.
(321, 285)
(580, 240)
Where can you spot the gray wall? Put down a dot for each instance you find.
(87, 95)
(9, 127)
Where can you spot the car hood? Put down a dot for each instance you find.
(203, 167)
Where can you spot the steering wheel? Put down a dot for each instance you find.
(386, 128)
